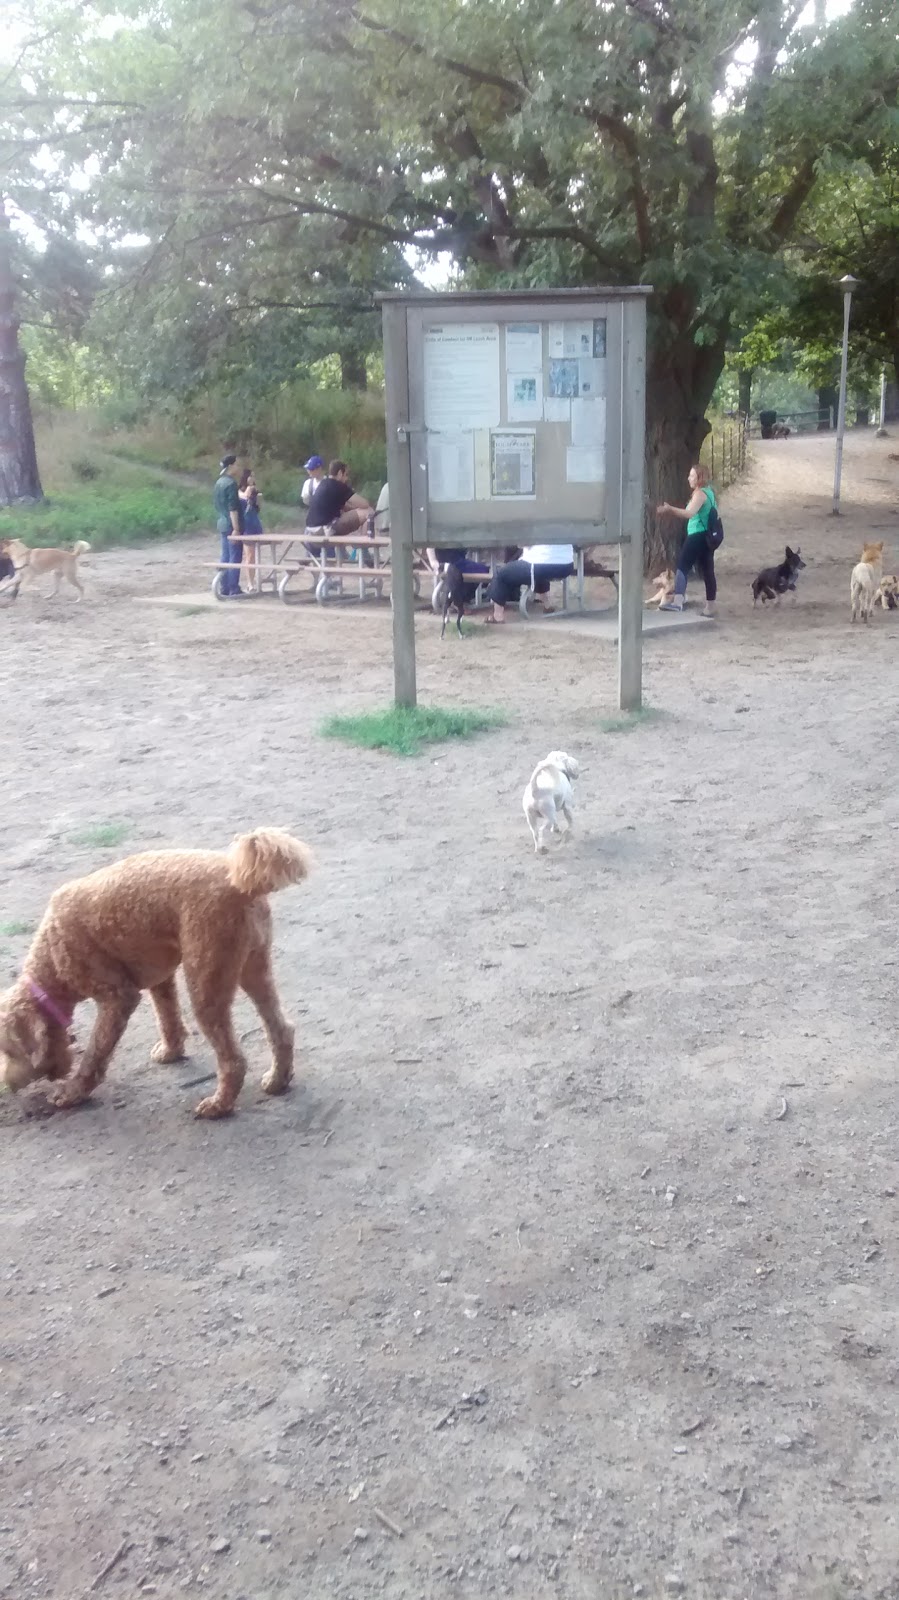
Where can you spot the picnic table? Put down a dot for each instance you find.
(335, 565)
(284, 556)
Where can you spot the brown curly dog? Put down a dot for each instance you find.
(128, 928)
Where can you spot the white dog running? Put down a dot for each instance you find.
(549, 796)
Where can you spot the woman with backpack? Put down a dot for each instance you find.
(703, 536)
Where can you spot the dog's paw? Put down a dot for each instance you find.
(275, 1082)
(165, 1054)
(67, 1096)
(211, 1108)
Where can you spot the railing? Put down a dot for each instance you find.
(821, 418)
(724, 451)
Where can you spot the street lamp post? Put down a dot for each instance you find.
(882, 430)
(847, 284)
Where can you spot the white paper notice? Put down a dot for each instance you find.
(450, 466)
(556, 410)
(524, 347)
(524, 396)
(570, 339)
(461, 376)
(592, 375)
(588, 423)
(583, 465)
(512, 463)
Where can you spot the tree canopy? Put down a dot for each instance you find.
(261, 156)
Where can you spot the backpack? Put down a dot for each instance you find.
(714, 529)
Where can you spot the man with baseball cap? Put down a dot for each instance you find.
(316, 470)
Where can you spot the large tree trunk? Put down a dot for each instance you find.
(19, 480)
(680, 383)
(744, 381)
(828, 399)
(353, 372)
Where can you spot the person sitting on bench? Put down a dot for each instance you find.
(454, 558)
(538, 566)
(335, 505)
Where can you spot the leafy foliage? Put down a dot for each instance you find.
(254, 203)
(108, 515)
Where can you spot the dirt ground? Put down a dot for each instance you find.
(533, 1265)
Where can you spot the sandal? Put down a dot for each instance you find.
(493, 622)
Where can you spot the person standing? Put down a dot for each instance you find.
(698, 548)
(252, 524)
(316, 470)
(229, 525)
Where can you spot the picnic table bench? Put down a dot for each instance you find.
(284, 556)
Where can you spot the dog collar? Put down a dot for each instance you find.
(49, 1006)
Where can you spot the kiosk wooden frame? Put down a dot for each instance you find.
(563, 506)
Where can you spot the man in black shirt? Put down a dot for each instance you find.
(336, 506)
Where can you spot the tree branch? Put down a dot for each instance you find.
(625, 137)
(792, 202)
(492, 80)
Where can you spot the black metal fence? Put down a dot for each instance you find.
(724, 451)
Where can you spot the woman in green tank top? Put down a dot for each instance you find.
(696, 550)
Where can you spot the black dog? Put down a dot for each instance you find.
(8, 570)
(772, 582)
(453, 597)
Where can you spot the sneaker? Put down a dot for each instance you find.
(709, 610)
(676, 603)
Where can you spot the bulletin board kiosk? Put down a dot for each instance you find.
(517, 418)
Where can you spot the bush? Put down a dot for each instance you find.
(117, 514)
(85, 469)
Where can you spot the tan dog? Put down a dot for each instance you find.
(664, 583)
(62, 563)
(129, 927)
(865, 581)
(888, 593)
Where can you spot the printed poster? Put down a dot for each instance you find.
(450, 467)
(588, 423)
(512, 458)
(524, 396)
(599, 336)
(461, 376)
(556, 410)
(524, 347)
(569, 340)
(592, 376)
(564, 379)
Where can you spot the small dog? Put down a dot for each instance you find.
(453, 597)
(549, 796)
(62, 563)
(129, 927)
(8, 577)
(888, 593)
(772, 582)
(664, 588)
(865, 581)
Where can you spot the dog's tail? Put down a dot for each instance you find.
(266, 860)
(80, 548)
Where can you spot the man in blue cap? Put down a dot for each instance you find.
(316, 470)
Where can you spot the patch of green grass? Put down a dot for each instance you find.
(109, 513)
(626, 721)
(104, 836)
(14, 929)
(405, 730)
